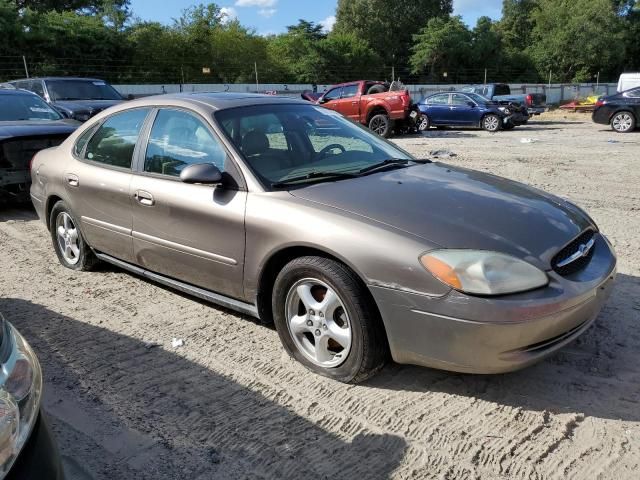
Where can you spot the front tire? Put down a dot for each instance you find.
(381, 125)
(425, 124)
(491, 123)
(68, 242)
(326, 320)
(623, 122)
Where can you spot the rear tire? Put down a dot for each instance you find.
(425, 124)
(381, 124)
(623, 122)
(491, 123)
(68, 242)
(327, 321)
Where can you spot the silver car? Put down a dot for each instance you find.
(356, 250)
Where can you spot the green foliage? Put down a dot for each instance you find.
(441, 44)
(576, 39)
(388, 26)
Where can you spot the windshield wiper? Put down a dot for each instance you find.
(315, 175)
(389, 163)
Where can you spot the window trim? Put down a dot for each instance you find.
(99, 125)
(137, 166)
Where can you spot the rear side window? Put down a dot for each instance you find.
(438, 99)
(82, 141)
(179, 139)
(115, 140)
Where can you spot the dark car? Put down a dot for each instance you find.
(457, 109)
(77, 98)
(27, 448)
(621, 110)
(27, 125)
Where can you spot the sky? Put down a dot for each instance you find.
(273, 16)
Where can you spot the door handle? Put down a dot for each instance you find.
(72, 180)
(144, 198)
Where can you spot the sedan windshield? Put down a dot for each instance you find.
(286, 144)
(81, 90)
(25, 107)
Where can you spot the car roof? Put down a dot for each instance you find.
(17, 91)
(216, 100)
(87, 79)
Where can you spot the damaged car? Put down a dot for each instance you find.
(27, 125)
(458, 109)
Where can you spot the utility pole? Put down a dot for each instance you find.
(255, 64)
(597, 82)
(549, 78)
(485, 76)
(26, 71)
(393, 69)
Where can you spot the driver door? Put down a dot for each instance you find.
(193, 233)
(331, 99)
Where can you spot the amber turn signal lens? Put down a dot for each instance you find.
(441, 271)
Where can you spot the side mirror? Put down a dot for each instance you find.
(471, 104)
(130, 96)
(203, 173)
(322, 100)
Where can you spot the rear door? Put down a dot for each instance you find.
(438, 109)
(349, 103)
(193, 233)
(98, 181)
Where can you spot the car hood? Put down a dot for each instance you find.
(458, 208)
(35, 127)
(89, 106)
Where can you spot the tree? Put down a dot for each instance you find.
(516, 24)
(574, 39)
(442, 43)
(388, 26)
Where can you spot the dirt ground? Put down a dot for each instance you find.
(228, 404)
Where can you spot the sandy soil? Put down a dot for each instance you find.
(228, 404)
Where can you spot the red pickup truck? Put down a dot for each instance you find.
(381, 106)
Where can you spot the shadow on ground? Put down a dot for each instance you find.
(209, 426)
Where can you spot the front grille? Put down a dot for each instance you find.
(571, 249)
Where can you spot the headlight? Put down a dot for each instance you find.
(505, 110)
(483, 273)
(20, 395)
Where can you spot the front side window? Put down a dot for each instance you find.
(36, 87)
(26, 106)
(318, 140)
(460, 100)
(179, 139)
(438, 99)
(333, 94)
(114, 142)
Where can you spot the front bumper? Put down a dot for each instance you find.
(470, 334)
(39, 458)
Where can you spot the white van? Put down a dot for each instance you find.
(628, 80)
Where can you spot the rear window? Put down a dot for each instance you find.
(502, 90)
(81, 90)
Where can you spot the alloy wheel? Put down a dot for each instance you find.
(622, 122)
(491, 123)
(318, 322)
(68, 239)
(378, 125)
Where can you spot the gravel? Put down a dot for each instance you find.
(227, 403)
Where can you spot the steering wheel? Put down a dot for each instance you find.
(325, 151)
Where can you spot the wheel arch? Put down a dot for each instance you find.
(51, 201)
(377, 109)
(276, 262)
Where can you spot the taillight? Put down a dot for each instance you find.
(529, 100)
(599, 103)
